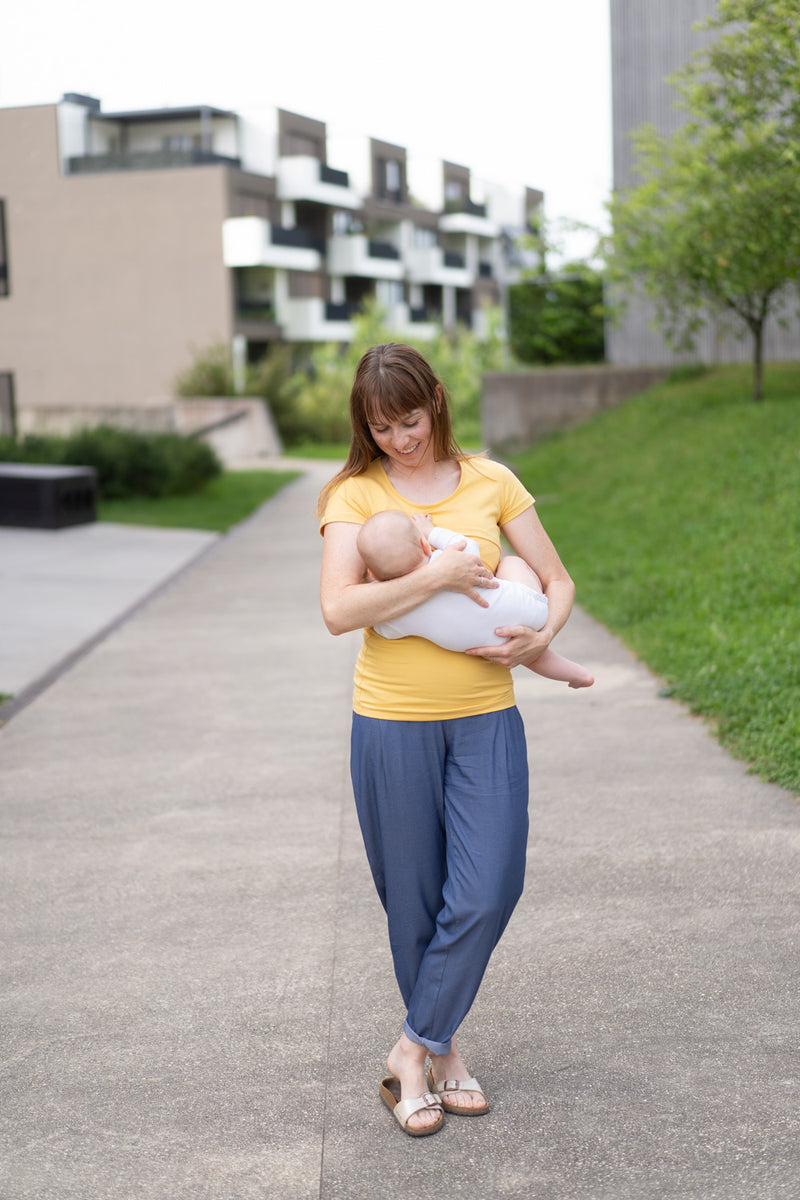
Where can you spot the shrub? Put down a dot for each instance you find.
(276, 378)
(211, 373)
(457, 356)
(558, 319)
(308, 391)
(128, 463)
(279, 379)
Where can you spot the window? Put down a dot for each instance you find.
(424, 237)
(389, 292)
(8, 415)
(249, 204)
(181, 142)
(5, 282)
(392, 175)
(303, 145)
(342, 223)
(391, 183)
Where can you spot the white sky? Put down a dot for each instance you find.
(518, 90)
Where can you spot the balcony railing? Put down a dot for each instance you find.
(393, 195)
(330, 175)
(299, 238)
(252, 310)
(382, 250)
(148, 160)
(341, 312)
(465, 206)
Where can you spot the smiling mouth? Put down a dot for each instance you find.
(413, 450)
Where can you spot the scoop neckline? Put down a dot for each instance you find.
(429, 503)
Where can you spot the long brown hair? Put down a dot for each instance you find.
(390, 381)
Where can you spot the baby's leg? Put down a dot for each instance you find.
(549, 664)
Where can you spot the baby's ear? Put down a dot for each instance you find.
(426, 546)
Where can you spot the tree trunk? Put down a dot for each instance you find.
(758, 360)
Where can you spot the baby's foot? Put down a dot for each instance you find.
(581, 678)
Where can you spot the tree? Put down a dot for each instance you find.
(556, 315)
(712, 227)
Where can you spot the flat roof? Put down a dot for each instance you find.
(165, 114)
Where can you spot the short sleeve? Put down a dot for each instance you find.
(514, 499)
(347, 502)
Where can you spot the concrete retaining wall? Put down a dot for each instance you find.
(519, 407)
(239, 428)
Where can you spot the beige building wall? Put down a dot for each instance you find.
(114, 277)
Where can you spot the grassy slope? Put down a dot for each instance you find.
(678, 515)
(220, 504)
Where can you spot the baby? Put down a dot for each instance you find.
(393, 544)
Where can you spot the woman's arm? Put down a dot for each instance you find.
(528, 539)
(349, 603)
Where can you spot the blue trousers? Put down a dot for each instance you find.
(443, 809)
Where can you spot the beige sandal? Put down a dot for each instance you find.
(403, 1109)
(456, 1085)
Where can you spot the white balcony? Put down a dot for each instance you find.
(461, 222)
(398, 320)
(302, 177)
(427, 264)
(355, 254)
(305, 320)
(253, 242)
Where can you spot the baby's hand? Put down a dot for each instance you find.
(423, 523)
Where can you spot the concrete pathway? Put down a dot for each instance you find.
(61, 588)
(197, 993)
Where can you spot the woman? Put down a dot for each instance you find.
(438, 755)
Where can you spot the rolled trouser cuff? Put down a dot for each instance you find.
(433, 1047)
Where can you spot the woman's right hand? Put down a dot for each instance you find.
(460, 572)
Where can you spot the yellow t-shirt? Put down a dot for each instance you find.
(411, 679)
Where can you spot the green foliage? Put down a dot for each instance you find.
(322, 406)
(460, 359)
(557, 316)
(557, 319)
(677, 516)
(128, 463)
(276, 378)
(217, 505)
(309, 397)
(713, 226)
(210, 374)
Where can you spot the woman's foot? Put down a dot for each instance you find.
(451, 1066)
(406, 1061)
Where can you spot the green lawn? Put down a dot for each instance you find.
(322, 450)
(222, 503)
(678, 515)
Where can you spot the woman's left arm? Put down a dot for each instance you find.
(527, 538)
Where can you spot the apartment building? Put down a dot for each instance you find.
(650, 42)
(128, 240)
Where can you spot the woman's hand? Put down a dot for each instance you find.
(524, 645)
(460, 572)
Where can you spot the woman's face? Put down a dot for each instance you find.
(407, 440)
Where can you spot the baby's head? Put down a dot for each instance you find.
(391, 545)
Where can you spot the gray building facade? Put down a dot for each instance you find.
(651, 40)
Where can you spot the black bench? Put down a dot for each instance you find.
(45, 497)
